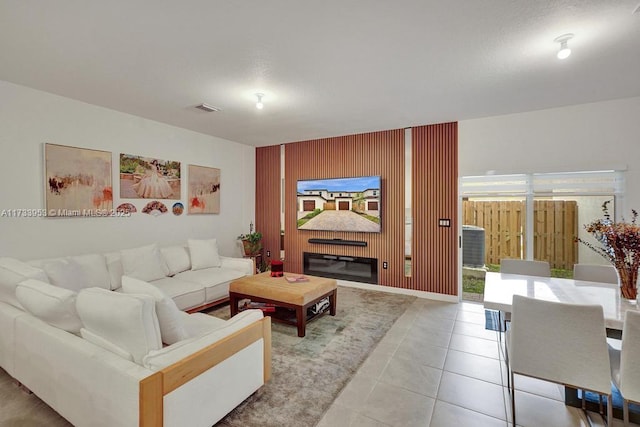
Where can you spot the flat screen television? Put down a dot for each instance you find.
(340, 204)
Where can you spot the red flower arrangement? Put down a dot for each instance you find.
(620, 246)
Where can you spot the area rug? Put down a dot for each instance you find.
(308, 373)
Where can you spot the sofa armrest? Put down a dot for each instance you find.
(241, 264)
(215, 372)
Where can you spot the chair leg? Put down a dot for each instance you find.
(513, 399)
(625, 412)
(610, 409)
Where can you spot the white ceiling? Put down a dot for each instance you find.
(327, 68)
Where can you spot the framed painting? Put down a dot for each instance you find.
(204, 190)
(77, 181)
(148, 178)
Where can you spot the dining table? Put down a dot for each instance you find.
(500, 288)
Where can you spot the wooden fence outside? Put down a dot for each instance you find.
(555, 229)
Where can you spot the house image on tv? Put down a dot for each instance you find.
(367, 201)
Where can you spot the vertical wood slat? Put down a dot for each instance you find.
(435, 196)
(268, 199)
(377, 153)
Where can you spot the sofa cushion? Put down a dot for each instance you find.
(52, 304)
(169, 315)
(176, 258)
(95, 268)
(199, 323)
(114, 266)
(12, 272)
(204, 253)
(127, 321)
(160, 359)
(214, 280)
(185, 294)
(144, 263)
(67, 274)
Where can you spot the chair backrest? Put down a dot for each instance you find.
(595, 273)
(558, 342)
(521, 266)
(629, 367)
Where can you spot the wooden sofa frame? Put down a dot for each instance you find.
(154, 387)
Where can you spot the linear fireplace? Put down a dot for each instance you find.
(358, 269)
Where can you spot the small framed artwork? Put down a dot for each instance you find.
(77, 181)
(204, 190)
(148, 178)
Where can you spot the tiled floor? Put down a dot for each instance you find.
(439, 367)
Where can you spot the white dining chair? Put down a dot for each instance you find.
(527, 267)
(561, 343)
(522, 266)
(625, 370)
(595, 273)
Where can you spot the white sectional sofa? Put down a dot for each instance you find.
(101, 338)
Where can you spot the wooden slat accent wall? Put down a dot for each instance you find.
(435, 196)
(268, 199)
(378, 153)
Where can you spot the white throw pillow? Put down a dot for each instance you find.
(95, 270)
(160, 359)
(52, 304)
(177, 259)
(128, 321)
(114, 266)
(67, 273)
(144, 263)
(169, 315)
(12, 272)
(204, 254)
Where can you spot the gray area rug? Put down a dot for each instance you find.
(307, 373)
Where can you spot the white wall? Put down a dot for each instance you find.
(597, 136)
(30, 118)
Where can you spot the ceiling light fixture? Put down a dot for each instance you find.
(564, 51)
(259, 104)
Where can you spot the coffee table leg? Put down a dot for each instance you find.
(334, 302)
(301, 320)
(233, 304)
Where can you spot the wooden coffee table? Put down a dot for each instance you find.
(289, 298)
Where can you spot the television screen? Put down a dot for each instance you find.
(339, 204)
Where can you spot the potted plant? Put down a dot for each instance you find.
(252, 242)
(620, 246)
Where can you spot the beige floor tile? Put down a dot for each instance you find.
(471, 306)
(418, 350)
(355, 393)
(474, 345)
(364, 421)
(536, 411)
(471, 317)
(411, 376)
(442, 310)
(448, 415)
(472, 365)
(539, 387)
(435, 323)
(397, 406)
(428, 334)
(374, 365)
(470, 393)
(474, 330)
(337, 415)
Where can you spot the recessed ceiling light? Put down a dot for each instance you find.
(564, 51)
(208, 108)
(259, 104)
